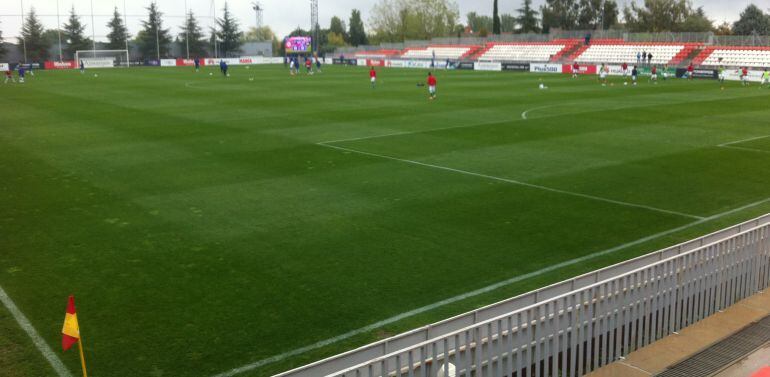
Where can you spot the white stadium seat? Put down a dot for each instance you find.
(439, 52)
(627, 53)
(522, 52)
(738, 57)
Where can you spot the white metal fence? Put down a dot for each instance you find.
(574, 327)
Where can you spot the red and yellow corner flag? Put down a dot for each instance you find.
(71, 331)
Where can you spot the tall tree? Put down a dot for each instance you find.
(2, 45)
(264, 33)
(597, 14)
(229, 33)
(396, 20)
(560, 14)
(752, 21)
(495, 19)
(335, 40)
(32, 38)
(73, 31)
(153, 38)
(724, 29)
(356, 33)
(527, 18)
(697, 21)
(476, 21)
(192, 37)
(337, 26)
(118, 35)
(657, 15)
(611, 14)
(507, 23)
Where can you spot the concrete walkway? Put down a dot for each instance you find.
(664, 353)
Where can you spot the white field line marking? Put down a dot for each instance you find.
(515, 182)
(480, 291)
(743, 141)
(731, 144)
(402, 133)
(524, 114)
(743, 149)
(40, 344)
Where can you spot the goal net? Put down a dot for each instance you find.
(102, 58)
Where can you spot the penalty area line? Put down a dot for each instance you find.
(515, 182)
(480, 291)
(40, 344)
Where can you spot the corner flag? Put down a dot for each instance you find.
(71, 330)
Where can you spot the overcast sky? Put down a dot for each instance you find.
(281, 15)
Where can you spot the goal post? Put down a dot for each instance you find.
(102, 58)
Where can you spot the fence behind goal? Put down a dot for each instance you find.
(576, 326)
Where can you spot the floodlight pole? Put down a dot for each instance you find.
(187, 32)
(23, 40)
(157, 35)
(58, 29)
(93, 30)
(125, 24)
(314, 22)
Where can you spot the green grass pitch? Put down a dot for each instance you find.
(206, 223)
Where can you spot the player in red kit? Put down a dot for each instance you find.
(624, 68)
(373, 76)
(575, 70)
(9, 76)
(745, 76)
(432, 86)
(690, 72)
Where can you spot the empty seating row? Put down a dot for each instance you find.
(735, 57)
(628, 53)
(529, 52)
(438, 52)
(377, 54)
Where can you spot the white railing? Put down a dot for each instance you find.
(574, 327)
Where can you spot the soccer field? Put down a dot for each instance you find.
(206, 224)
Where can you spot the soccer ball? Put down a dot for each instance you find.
(96, 75)
(251, 79)
(248, 67)
(228, 75)
(211, 74)
(625, 84)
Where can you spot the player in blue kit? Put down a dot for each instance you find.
(223, 68)
(22, 73)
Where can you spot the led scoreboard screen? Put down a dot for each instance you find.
(299, 44)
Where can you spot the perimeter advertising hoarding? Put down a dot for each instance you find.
(545, 68)
(524, 67)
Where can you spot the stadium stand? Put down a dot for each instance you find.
(440, 52)
(526, 52)
(616, 52)
(734, 56)
(377, 54)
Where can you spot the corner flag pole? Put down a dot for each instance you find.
(82, 357)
